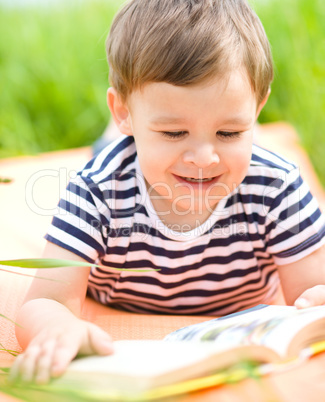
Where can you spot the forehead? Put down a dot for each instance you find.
(167, 103)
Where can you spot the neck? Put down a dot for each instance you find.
(181, 222)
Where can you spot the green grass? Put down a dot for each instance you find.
(53, 74)
(296, 30)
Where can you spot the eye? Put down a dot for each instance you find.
(229, 134)
(173, 134)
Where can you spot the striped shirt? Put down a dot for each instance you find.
(228, 263)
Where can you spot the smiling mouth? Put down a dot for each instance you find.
(192, 180)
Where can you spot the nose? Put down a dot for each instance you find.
(202, 154)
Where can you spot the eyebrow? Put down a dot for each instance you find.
(238, 120)
(167, 120)
(178, 120)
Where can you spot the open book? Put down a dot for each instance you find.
(200, 355)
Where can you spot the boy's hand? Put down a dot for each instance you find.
(51, 351)
(314, 296)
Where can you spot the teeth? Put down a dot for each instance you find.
(197, 180)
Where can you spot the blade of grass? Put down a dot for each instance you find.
(28, 394)
(73, 388)
(7, 318)
(41, 263)
(5, 180)
(11, 352)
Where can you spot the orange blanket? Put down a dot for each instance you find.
(27, 205)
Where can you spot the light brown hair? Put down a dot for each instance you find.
(184, 42)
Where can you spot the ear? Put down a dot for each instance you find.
(120, 111)
(262, 104)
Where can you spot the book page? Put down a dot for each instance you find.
(270, 326)
(140, 358)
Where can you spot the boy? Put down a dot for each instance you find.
(183, 191)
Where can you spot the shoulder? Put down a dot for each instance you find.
(270, 169)
(270, 161)
(270, 178)
(112, 163)
(110, 174)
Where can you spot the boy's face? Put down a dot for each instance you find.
(194, 143)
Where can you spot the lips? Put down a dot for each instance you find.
(200, 183)
(193, 180)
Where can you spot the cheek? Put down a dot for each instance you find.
(156, 155)
(152, 164)
(239, 158)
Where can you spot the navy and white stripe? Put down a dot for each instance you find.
(228, 263)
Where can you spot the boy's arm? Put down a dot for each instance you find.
(51, 331)
(303, 282)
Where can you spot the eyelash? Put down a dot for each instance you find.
(173, 134)
(179, 134)
(229, 134)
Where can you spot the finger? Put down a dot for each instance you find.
(314, 296)
(24, 366)
(61, 359)
(67, 349)
(15, 368)
(99, 340)
(43, 365)
(95, 340)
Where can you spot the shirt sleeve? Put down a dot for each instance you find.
(295, 225)
(78, 225)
